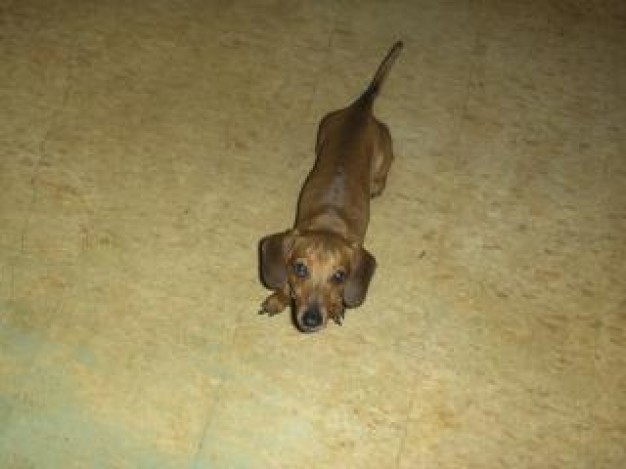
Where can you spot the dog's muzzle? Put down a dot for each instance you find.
(311, 320)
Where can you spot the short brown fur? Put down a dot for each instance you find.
(321, 264)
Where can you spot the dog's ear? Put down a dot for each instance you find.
(273, 250)
(363, 267)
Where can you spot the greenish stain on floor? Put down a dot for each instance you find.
(38, 403)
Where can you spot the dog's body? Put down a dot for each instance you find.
(321, 264)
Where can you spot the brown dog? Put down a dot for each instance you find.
(321, 264)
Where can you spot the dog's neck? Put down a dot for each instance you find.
(330, 219)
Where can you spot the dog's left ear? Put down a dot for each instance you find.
(363, 267)
(272, 254)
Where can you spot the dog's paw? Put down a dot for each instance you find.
(274, 304)
(339, 317)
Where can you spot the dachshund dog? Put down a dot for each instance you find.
(320, 266)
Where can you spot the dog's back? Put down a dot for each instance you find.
(338, 188)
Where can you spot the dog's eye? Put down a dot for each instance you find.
(339, 276)
(300, 269)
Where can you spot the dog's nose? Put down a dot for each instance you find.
(312, 318)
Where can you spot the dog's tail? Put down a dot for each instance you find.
(368, 96)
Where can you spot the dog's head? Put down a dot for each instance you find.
(323, 271)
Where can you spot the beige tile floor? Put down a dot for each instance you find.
(145, 147)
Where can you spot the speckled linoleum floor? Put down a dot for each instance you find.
(146, 146)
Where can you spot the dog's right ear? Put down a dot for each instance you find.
(273, 251)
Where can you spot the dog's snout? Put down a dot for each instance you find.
(312, 318)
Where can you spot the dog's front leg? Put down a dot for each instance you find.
(276, 302)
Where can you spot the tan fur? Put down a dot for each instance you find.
(354, 154)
